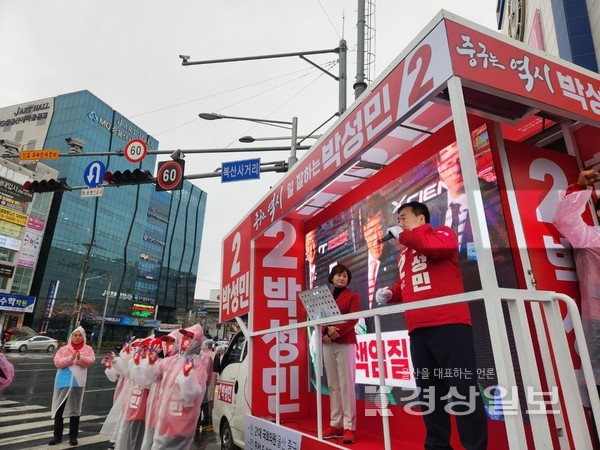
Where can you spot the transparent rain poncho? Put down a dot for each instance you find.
(71, 376)
(184, 383)
(151, 375)
(585, 240)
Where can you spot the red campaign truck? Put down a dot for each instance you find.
(462, 108)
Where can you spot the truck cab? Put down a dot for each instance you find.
(231, 394)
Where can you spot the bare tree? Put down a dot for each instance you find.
(89, 311)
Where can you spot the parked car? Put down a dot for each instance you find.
(25, 343)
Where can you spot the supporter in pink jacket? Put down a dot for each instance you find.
(585, 240)
(184, 384)
(72, 361)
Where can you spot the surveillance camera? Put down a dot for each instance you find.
(10, 145)
(185, 57)
(75, 145)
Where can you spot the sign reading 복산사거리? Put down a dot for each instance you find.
(247, 169)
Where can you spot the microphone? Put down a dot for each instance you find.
(387, 237)
(392, 232)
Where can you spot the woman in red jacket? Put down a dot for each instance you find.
(339, 357)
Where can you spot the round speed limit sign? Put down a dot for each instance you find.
(135, 150)
(169, 175)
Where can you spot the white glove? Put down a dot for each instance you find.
(395, 231)
(383, 295)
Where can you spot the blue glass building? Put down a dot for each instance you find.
(143, 244)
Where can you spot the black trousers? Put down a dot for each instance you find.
(444, 361)
(59, 425)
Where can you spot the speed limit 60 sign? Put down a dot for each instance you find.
(169, 176)
(135, 150)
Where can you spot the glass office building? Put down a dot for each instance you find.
(132, 248)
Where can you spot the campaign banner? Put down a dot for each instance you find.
(539, 176)
(235, 282)
(397, 365)
(417, 76)
(278, 278)
(493, 62)
(265, 435)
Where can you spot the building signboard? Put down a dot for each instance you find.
(10, 243)
(18, 303)
(13, 190)
(13, 216)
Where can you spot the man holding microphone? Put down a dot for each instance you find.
(441, 337)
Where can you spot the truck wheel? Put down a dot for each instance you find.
(226, 437)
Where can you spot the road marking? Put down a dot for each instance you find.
(18, 417)
(22, 408)
(7, 402)
(47, 435)
(88, 440)
(43, 423)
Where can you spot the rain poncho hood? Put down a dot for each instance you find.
(585, 240)
(196, 334)
(71, 376)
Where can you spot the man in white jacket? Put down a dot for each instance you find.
(585, 240)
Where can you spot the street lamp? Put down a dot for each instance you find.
(82, 298)
(293, 126)
(251, 139)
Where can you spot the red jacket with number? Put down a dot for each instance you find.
(428, 268)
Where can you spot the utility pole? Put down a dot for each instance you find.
(360, 85)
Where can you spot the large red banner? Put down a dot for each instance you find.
(278, 277)
(415, 77)
(235, 284)
(538, 177)
(492, 62)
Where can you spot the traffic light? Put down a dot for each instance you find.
(46, 186)
(137, 176)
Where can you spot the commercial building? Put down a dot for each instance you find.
(569, 29)
(128, 251)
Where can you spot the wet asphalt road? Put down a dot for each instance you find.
(25, 407)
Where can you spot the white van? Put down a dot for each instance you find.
(230, 404)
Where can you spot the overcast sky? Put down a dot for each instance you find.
(126, 53)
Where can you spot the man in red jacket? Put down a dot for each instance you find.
(441, 338)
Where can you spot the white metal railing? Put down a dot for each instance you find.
(546, 311)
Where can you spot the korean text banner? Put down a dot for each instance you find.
(235, 284)
(278, 276)
(415, 77)
(492, 62)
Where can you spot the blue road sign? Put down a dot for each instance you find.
(247, 169)
(94, 173)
